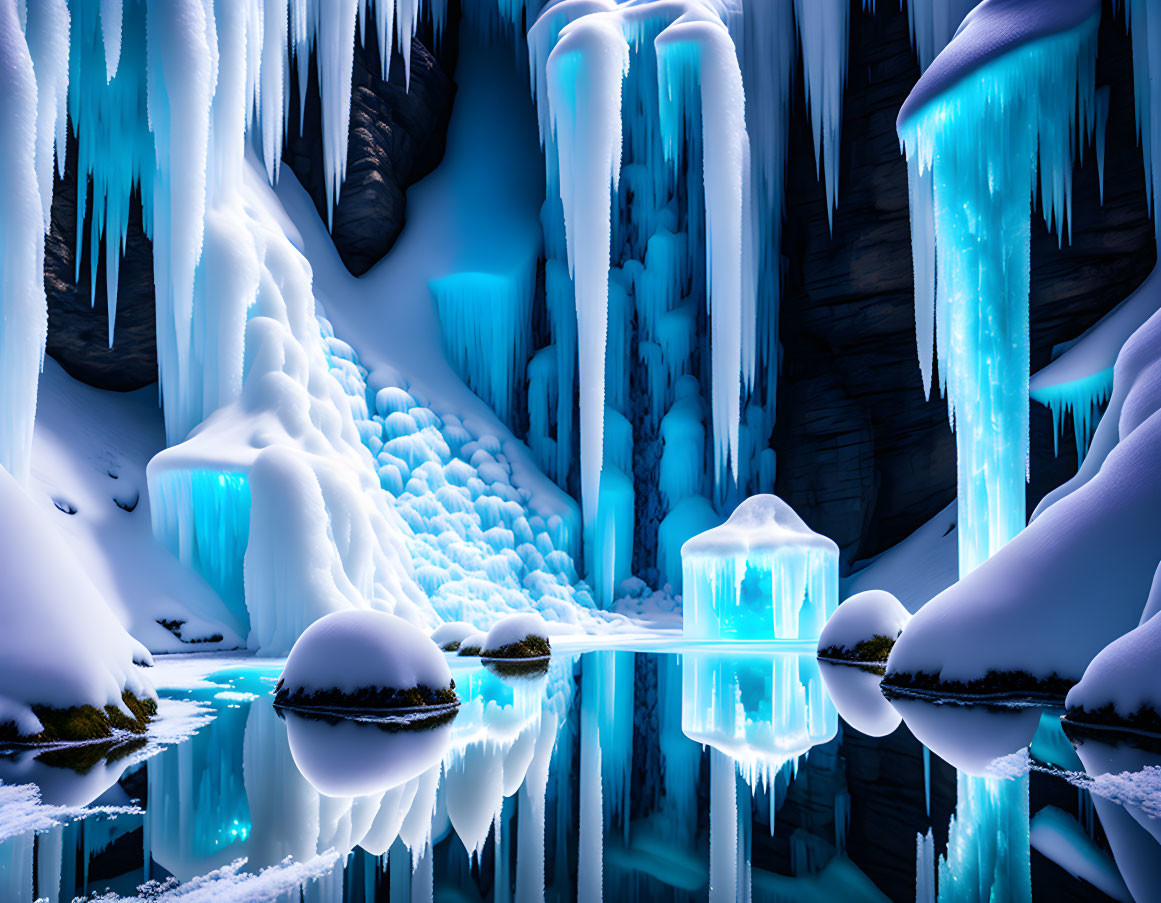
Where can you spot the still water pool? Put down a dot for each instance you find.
(679, 774)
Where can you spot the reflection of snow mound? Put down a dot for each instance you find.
(351, 758)
(972, 738)
(762, 575)
(855, 693)
(761, 710)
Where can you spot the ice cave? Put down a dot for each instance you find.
(544, 450)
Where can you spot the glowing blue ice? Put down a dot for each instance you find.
(762, 575)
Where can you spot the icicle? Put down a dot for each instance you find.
(111, 18)
(48, 44)
(822, 29)
(336, 55)
(24, 324)
(1145, 26)
(701, 53)
(924, 867)
(1100, 127)
(923, 264)
(273, 83)
(584, 75)
(385, 32)
(933, 22)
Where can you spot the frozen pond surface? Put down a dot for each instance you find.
(672, 774)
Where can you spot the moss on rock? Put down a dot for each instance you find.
(85, 722)
(529, 647)
(1016, 684)
(875, 650)
(369, 698)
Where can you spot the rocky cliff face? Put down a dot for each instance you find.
(396, 138)
(862, 455)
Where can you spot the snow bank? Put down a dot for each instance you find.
(762, 575)
(60, 644)
(1078, 576)
(350, 651)
(862, 618)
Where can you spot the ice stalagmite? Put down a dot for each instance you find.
(1014, 82)
(24, 325)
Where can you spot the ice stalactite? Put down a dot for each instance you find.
(23, 145)
(584, 76)
(968, 197)
(1144, 22)
(822, 28)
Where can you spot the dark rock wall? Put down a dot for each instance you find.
(862, 456)
(78, 324)
(396, 137)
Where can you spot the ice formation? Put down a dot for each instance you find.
(1023, 71)
(762, 575)
(862, 618)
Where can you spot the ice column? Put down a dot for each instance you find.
(971, 147)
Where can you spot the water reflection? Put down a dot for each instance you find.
(614, 775)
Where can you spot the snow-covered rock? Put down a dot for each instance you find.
(523, 635)
(472, 644)
(762, 575)
(864, 627)
(1122, 685)
(365, 660)
(450, 634)
(1033, 616)
(61, 646)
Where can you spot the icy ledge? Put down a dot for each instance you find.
(1032, 617)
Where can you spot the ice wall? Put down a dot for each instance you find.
(1016, 84)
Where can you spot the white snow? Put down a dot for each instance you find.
(451, 632)
(762, 575)
(60, 643)
(918, 568)
(855, 694)
(1126, 674)
(862, 617)
(475, 641)
(90, 451)
(975, 739)
(513, 629)
(353, 650)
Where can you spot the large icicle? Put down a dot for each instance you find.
(24, 324)
(971, 129)
(584, 76)
(693, 54)
(933, 23)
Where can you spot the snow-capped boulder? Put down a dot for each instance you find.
(522, 635)
(762, 575)
(1122, 686)
(450, 634)
(68, 668)
(366, 660)
(472, 644)
(864, 627)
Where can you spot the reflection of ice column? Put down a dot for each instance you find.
(987, 844)
(16, 867)
(729, 876)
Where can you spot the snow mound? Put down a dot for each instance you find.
(473, 643)
(351, 651)
(60, 643)
(1122, 685)
(1077, 577)
(762, 575)
(451, 633)
(516, 631)
(863, 618)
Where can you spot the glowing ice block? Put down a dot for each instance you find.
(762, 575)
